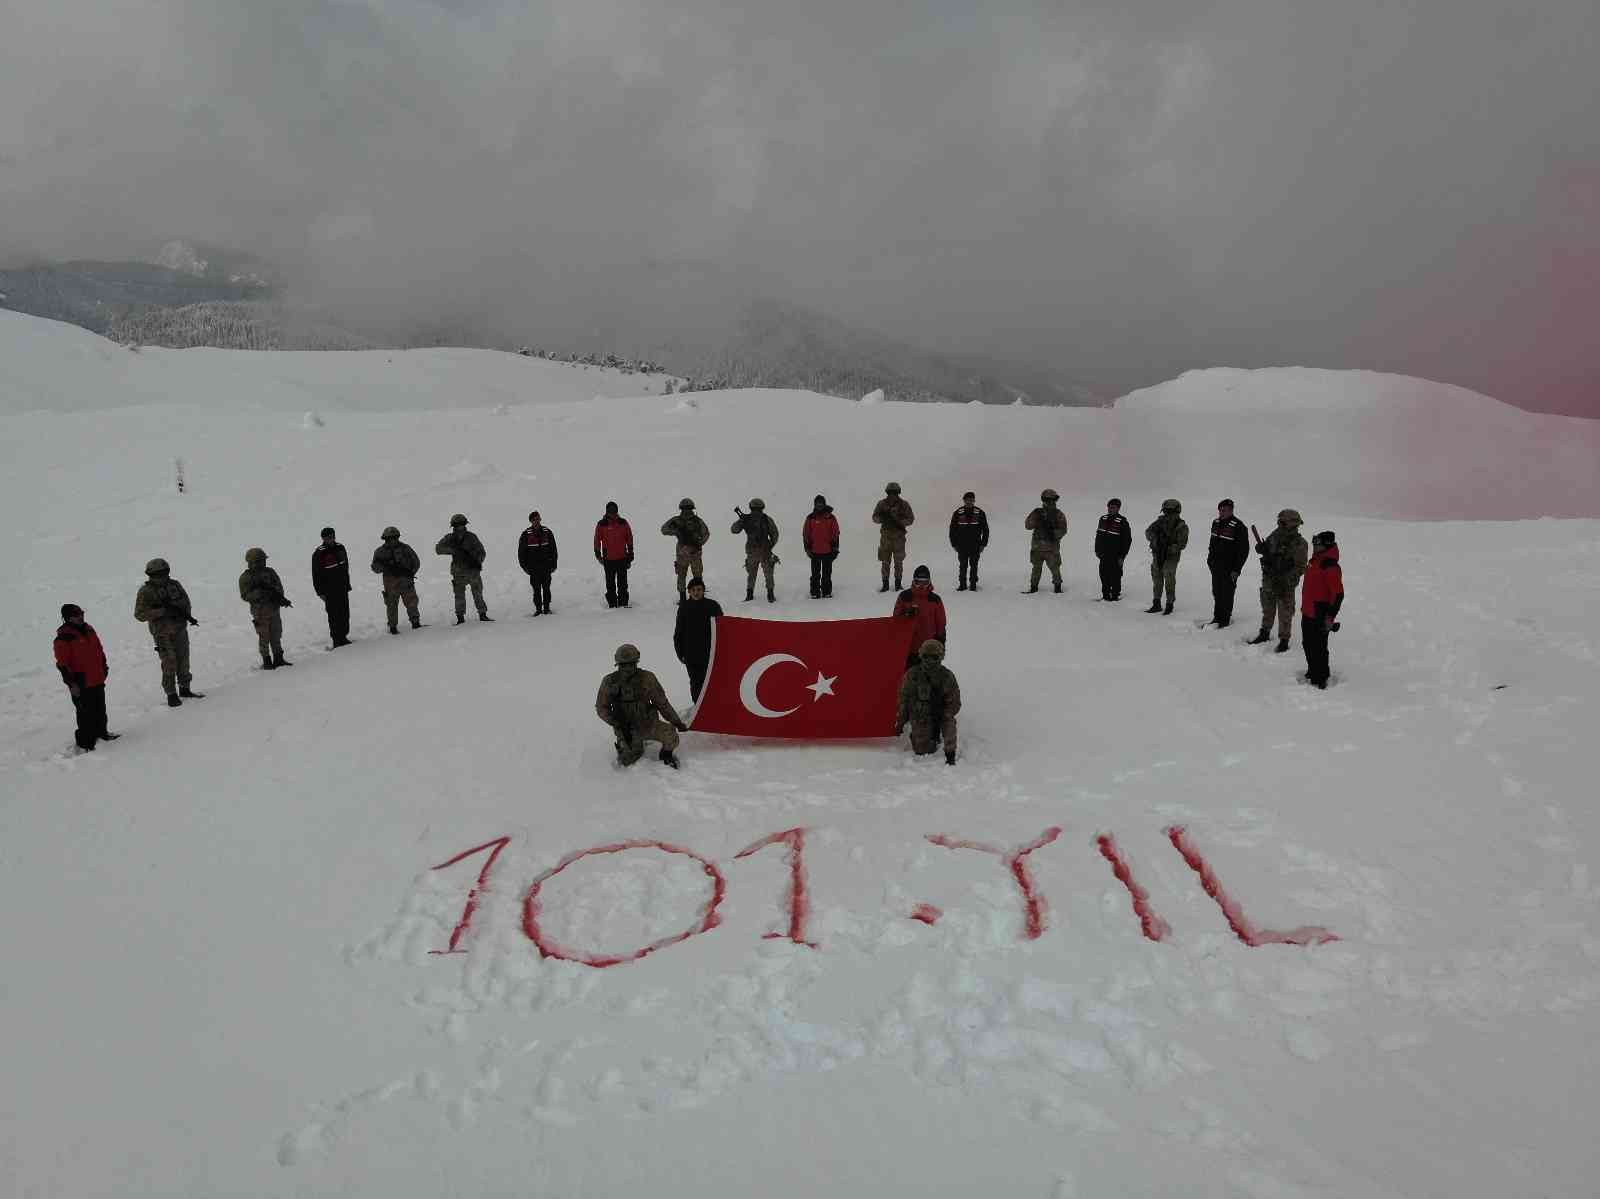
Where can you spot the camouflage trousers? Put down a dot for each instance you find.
(755, 560)
(688, 564)
(395, 589)
(892, 548)
(460, 580)
(1041, 557)
(1279, 602)
(630, 745)
(172, 646)
(926, 735)
(1164, 574)
(269, 629)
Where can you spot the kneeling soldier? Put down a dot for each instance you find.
(930, 700)
(632, 702)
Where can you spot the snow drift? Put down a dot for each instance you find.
(229, 936)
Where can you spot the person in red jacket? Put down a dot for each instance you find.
(820, 536)
(1321, 595)
(81, 659)
(613, 549)
(921, 605)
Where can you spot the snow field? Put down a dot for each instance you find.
(223, 926)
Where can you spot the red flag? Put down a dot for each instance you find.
(810, 679)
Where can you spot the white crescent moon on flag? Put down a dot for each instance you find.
(752, 680)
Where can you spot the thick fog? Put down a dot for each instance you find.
(1124, 189)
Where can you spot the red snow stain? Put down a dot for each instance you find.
(465, 922)
(1231, 909)
(926, 913)
(1154, 926)
(1016, 862)
(547, 948)
(799, 901)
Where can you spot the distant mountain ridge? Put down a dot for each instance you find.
(692, 322)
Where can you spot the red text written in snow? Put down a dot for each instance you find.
(797, 903)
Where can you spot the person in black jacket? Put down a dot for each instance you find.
(969, 536)
(691, 637)
(1113, 538)
(536, 554)
(1226, 555)
(330, 578)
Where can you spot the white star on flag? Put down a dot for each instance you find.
(823, 686)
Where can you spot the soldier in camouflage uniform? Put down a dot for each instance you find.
(398, 563)
(632, 702)
(1284, 554)
(1168, 535)
(260, 587)
(692, 533)
(163, 604)
(930, 700)
(893, 516)
(466, 566)
(1049, 525)
(760, 539)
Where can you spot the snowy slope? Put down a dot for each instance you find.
(55, 367)
(218, 931)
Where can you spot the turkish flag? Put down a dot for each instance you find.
(811, 679)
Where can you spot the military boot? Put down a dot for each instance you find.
(899, 584)
(669, 757)
(395, 629)
(266, 661)
(279, 660)
(1155, 605)
(174, 702)
(1283, 646)
(485, 616)
(1261, 638)
(416, 622)
(1058, 589)
(772, 596)
(189, 693)
(949, 757)
(1167, 611)
(749, 594)
(461, 618)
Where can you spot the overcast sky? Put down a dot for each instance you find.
(1125, 188)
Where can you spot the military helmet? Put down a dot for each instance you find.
(391, 534)
(254, 555)
(156, 566)
(931, 649)
(892, 488)
(1289, 516)
(1049, 495)
(1170, 505)
(626, 655)
(757, 504)
(686, 504)
(458, 519)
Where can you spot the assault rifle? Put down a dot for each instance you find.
(744, 516)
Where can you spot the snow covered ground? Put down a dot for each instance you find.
(218, 937)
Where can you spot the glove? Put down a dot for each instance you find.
(1234, 577)
(74, 690)
(628, 560)
(287, 604)
(599, 557)
(899, 727)
(1333, 626)
(681, 727)
(193, 622)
